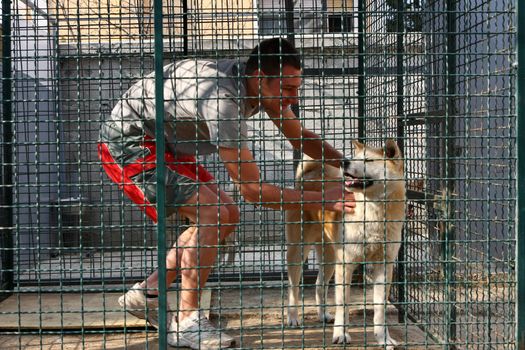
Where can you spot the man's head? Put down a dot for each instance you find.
(272, 54)
(274, 68)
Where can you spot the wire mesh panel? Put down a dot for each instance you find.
(78, 166)
(458, 266)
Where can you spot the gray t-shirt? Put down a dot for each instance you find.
(205, 107)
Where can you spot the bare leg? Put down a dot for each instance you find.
(228, 214)
(172, 262)
(215, 216)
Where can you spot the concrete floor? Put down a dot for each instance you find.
(255, 315)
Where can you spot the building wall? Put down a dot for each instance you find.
(88, 21)
(36, 147)
(90, 88)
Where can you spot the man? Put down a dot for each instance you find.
(206, 106)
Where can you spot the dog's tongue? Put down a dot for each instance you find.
(349, 183)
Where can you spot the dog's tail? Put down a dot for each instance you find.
(307, 165)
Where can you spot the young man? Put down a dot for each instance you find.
(206, 106)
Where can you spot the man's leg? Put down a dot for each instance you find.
(215, 220)
(174, 256)
(216, 216)
(172, 263)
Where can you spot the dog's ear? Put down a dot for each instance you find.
(358, 145)
(391, 149)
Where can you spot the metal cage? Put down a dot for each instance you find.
(438, 76)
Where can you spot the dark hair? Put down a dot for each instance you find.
(271, 55)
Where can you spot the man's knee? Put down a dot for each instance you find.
(229, 220)
(234, 216)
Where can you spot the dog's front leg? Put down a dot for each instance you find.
(343, 277)
(382, 277)
(293, 257)
(326, 258)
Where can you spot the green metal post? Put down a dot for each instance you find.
(520, 184)
(290, 30)
(185, 26)
(400, 71)
(361, 69)
(160, 148)
(289, 9)
(6, 180)
(450, 174)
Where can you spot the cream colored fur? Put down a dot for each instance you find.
(371, 231)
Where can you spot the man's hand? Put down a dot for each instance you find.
(339, 200)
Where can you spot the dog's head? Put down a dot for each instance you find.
(373, 170)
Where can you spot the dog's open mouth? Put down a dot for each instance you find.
(357, 183)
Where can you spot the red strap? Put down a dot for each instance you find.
(121, 177)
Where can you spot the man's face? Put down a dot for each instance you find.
(280, 92)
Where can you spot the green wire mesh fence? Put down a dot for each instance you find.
(439, 77)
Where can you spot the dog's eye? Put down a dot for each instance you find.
(368, 160)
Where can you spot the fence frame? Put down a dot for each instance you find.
(520, 185)
(6, 197)
(160, 172)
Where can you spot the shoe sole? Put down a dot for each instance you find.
(185, 344)
(136, 313)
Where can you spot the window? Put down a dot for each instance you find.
(310, 16)
(341, 22)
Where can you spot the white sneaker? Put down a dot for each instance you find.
(136, 303)
(197, 332)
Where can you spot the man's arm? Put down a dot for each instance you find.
(245, 173)
(305, 140)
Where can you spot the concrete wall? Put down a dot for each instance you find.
(36, 133)
(91, 86)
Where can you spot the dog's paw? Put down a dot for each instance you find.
(384, 339)
(293, 317)
(389, 342)
(341, 337)
(293, 322)
(326, 317)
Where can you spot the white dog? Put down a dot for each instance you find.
(371, 234)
